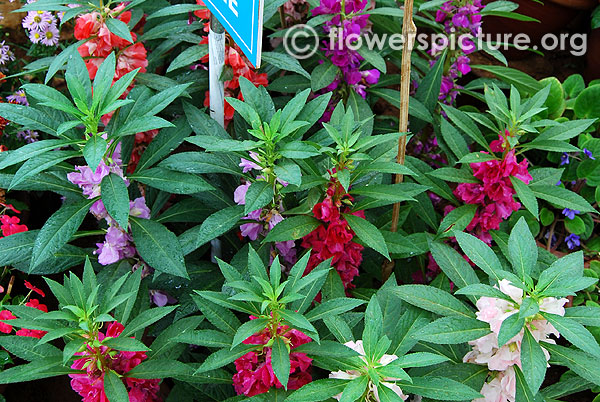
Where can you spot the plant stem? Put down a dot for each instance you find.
(409, 31)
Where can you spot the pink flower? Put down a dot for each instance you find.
(247, 165)
(138, 208)
(239, 195)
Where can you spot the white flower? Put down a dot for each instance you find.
(352, 374)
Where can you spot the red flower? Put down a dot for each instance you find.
(35, 303)
(6, 315)
(10, 225)
(90, 385)
(202, 14)
(33, 288)
(255, 370)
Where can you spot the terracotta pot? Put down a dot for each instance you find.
(552, 17)
(592, 56)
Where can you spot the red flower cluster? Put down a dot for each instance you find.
(91, 384)
(240, 68)
(7, 315)
(9, 225)
(334, 237)
(255, 372)
(495, 192)
(103, 42)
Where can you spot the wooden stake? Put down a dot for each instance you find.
(409, 32)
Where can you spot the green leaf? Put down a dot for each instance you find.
(457, 220)
(164, 142)
(206, 337)
(30, 150)
(28, 117)
(27, 348)
(374, 58)
(575, 333)
(454, 139)
(333, 307)
(40, 163)
(58, 230)
(528, 308)
(453, 330)
(525, 195)
(17, 247)
(368, 233)
(323, 75)
(126, 344)
(420, 359)
(223, 357)
(280, 360)
(289, 172)
(511, 326)
(522, 249)
(439, 388)
(248, 329)
(120, 29)
(466, 124)
(259, 194)
(520, 80)
(523, 391)
(318, 390)
(586, 315)
(285, 62)
(171, 181)
(113, 386)
(562, 197)
(453, 264)
(219, 223)
(480, 253)
(292, 228)
(158, 246)
(433, 299)
(145, 319)
(583, 364)
(373, 327)
(355, 389)
(190, 55)
(533, 362)
(116, 198)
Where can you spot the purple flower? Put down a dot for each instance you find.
(18, 97)
(462, 64)
(247, 165)
(239, 195)
(28, 136)
(99, 210)
(138, 208)
(252, 230)
(570, 213)
(588, 153)
(6, 54)
(89, 181)
(572, 241)
(116, 246)
(50, 35)
(564, 159)
(287, 251)
(38, 20)
(371, 76)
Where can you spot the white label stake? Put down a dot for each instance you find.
(216, 61)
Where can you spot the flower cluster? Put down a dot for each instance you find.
(333, 238)
(254, 369)
(494, 194)
(502, 359)
(95, 361)
(294, 11)
(238, 66)
(42, 26)
(9, 225)
(264, 219)
(346, 22)
(458, 18)
(117, 243)
(102, 42)
(373, 394)
(6, 54)
(6, 315)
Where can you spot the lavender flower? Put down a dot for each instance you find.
(28, 136)
(18, 97)
(564, 159)
(572, 241)
(570, 213)
(588, 153)
(50, 36)
(6, 54)
(38, 20)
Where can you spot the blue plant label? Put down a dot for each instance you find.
(243, 20)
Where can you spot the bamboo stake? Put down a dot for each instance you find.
(409, 32)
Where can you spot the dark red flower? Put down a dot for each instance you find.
(33, 288)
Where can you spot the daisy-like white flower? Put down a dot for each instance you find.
(373, 395)
(50, 35)
(38, 20)
(6, 54)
